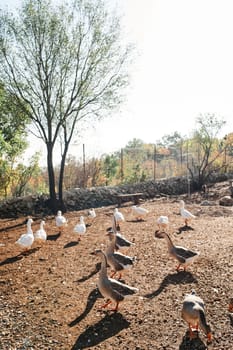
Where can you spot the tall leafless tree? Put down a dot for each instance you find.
(65, 64)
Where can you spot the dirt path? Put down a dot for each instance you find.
(49, 298)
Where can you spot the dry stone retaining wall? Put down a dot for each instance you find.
(79, 198)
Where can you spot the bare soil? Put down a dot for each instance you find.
(49, 298)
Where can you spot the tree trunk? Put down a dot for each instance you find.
(53, 202)
(61, 177)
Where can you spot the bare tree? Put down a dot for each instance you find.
(66, 65)
(209, 148)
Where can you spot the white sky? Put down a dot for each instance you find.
(184, 69)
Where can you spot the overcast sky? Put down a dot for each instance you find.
(184, 68)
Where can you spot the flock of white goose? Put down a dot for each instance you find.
(193, 310)
(27, 239)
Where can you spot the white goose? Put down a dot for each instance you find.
(139, 212)
(193, 312)
(185, 213)
(163, 222)
(60, 220)
(26, 240)
(41, 234)
(80, 228)
(91, 213)
(119, 217)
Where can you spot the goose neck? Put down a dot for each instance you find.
(169, 241)
(103, 270)
(112, 243)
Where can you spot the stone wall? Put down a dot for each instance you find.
(79, 198)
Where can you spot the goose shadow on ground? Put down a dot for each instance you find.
(181, 277)
(18, 257)
(192, 344)
(231, 319)
(11, 260)
(20, 224)
(92, 273)
(53, 237)
(9, 228)
(136, 220)
(91, 299)
(106, 328)
(71, 244)
(184, 229)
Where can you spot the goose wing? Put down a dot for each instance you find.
(122, 288)
(186, 214)
(123, 260)
(122, 241)
(139, 210)
(80, 228)
(25, 240)
(61, 220)
(40, 234)
(183, 254)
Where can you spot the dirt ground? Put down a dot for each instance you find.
(49, 298)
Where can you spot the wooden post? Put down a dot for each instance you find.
(155, 160)
(84, 167)
(122, 165)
